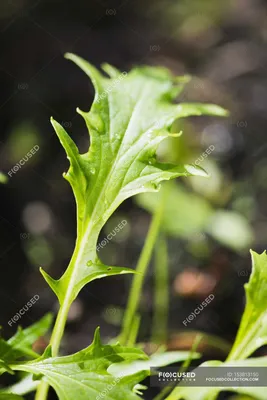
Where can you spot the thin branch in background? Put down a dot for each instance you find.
(161, 292)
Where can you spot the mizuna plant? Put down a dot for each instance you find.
(130, 116)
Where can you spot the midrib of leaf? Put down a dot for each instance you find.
(82, 240)
(132, 117)
(52, 374)
(113, 166)
(111, 170)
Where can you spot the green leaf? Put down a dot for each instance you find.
(156, 360)
(130, 116)
(84, 375)
(87, 273)
(21, 343)
(252, 332)
(9, 396)
(4, 367)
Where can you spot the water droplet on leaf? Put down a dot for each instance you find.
(96, 122)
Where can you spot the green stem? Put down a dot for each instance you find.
(161, 293)
(165, 393)
(59, 327)
(141, 269)
(134, 331)
(42, 391)
(58, 331)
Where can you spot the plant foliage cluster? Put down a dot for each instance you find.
(126, 125)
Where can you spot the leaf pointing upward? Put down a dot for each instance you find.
(131, 114)
(252, 332)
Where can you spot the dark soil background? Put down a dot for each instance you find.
(222, 43)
